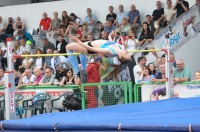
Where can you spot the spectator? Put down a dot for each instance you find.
(93, 77)
(111, 16)
(16, 62)
(104, 67)
(146, 36)
(2, 81)
(181, 6)
(16, 78)
(55, 23)
(70, 78)
(152, 69)
(121, 15)
(48, 78)
(18, 26)
(196, 77)
(47, 45)
(157, 16)
(61, 76)
(90, 37)
(64, 24)
(104, 35)
(144, 76)
(47, 59)
(9, 28)
(109, 27)
(24, 47)
(27, 36)
(44, 26)
(160, 76)
(125, 27)
(90, 20)
(27, 63)
(4, 55)
(26, 79)
(181, 73)
(38, 76)
(39, 61)
(85, 32)
(150, 23)
(57, 60)
(2, 25)
(73, 24)
(172, 58)
(131, 43)
(169, 14)
(163, 58)
(61, 44)
(100, 29)
(134, 18)
(137, 70)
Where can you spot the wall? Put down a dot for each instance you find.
(32, 13)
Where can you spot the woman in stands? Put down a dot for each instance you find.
(73, 24)
(131, 43)
(18, 25)
(107, 48)
(16, 47)
(27, 63)
(70, 78)
(39, 61)
(145, 77)
(152, 69)
(146, 36)
(64, 23)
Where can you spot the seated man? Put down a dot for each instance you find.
(160, 76)
(44, 26)
(90, 20)
(48, 78)
(181, 73)
(111, 16)
(47, 59)
(109, 27)
(47, 45)
(61, 76)
(121, 15)
(38, 74)
(26, 79)
(57, 60)
(24, 47)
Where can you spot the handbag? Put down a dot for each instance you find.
(72, 103)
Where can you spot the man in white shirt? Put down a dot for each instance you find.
(57, 60)
(24, 47)
(26, 79)
(169, 14)
(137, 70)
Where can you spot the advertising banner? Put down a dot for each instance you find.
(180, 31)
(150, 92)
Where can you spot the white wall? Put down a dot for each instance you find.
(32, 13)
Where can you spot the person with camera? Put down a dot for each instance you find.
(9, 28)
(181, 6)
(131, 43)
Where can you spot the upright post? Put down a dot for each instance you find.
(9, 84)
(169, 71)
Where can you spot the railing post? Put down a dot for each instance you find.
(82, 96)
(130, 92)
(125, 93)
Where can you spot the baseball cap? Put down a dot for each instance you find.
(98, 59)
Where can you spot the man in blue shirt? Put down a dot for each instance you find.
(121, 15)
(90, 20)
(109, 27)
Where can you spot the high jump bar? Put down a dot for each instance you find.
(76, 54)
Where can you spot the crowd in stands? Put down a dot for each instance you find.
(121, 27)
